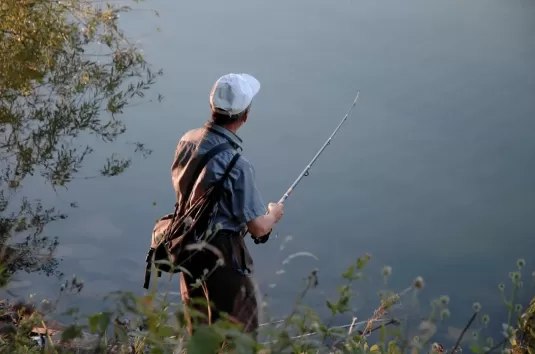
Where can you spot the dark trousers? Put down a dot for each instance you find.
(226, 290)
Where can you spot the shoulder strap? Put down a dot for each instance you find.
(230, 166)
(200, 166)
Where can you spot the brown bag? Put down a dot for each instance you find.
(174, 236)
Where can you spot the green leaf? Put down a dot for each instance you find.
(156, 350)
(104, 321)
(362, 261)
(99, 322)
(244, 343)
(348, 274)
(165, 331)
(375, 348)
(204, 340)
(93, 322)
(70, 333)
(332, 306)
(475, 348)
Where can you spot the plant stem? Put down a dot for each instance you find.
(463, 332)
(495, 347)
(511, 309)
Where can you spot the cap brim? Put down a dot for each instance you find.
(253, 82)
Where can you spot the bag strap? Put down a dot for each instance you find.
(200, 166)
(230, 166)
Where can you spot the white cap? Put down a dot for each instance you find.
(233, 93)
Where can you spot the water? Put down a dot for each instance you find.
(433, 174)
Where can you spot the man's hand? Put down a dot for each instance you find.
(262, 225)
(274, 214)
(277, 210)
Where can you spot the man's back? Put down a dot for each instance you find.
(242, 201)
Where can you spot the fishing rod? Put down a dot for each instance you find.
(305, 172)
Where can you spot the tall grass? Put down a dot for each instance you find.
(154, 324)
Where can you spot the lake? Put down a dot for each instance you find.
(433, 173)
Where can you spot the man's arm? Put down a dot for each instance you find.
(262, 225)
(248, 205)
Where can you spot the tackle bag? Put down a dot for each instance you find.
(175, 235)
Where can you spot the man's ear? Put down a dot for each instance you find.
(245, 116)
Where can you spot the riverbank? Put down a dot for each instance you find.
(22, 325)
(153, 322)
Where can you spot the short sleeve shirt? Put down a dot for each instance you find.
(242, 202)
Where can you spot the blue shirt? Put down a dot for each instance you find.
(244, 202)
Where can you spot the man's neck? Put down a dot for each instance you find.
(225, 130)
(233, 127)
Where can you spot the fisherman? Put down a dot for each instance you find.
(229, 288)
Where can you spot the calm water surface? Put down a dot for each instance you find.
(434, 173)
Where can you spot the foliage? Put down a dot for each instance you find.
(157, 325)
(67, 71)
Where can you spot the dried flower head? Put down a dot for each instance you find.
(515, 276)
(520, 263)
(476, 306)
(387, 270)
(418, 283)
(444, 314)
(518, 307)
(444, 300)
(501, 286)
(475, 335)
(315, 326)
(485, 319)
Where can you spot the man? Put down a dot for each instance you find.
(229, 287)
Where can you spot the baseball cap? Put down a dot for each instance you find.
(232, 93)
